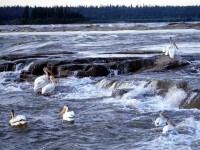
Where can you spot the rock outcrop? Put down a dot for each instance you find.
(7, 66)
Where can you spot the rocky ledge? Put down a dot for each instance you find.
(98, 67)
(84, 67)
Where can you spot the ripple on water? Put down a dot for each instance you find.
(102, 121)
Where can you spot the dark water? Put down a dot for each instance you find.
(101, 120)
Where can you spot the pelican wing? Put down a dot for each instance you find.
(39, 83)
(160, 121)
(172, 52)
(68, 119)
(164, 49)
(168, 129)
(48, 88)
(69, 114)
(38, 79)
(163, 115)
(18, 118)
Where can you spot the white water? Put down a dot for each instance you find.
(86, 43)
(140, 97)
(81, 89)
(91, 98)
(188, 137)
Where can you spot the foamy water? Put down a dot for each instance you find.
(102, 120)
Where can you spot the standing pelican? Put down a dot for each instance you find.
(67, 115)
(41, 81)
(161, 120)
(47, 89)
(169, 128)
(170, 49)
(19, 120)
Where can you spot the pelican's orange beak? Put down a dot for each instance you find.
(163, 115)
(49, 71)
(54, 79)
(171, 122)
(173, 42)
(175, 45)
(62, 111)
(12, 114)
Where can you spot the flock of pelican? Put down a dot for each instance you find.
(162, 121)
(45, 85)
(42, 83)
(168, 125)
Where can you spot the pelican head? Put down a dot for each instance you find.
(170, 122)
(53, 79)
(46, 70)
(161, 120)
(64, 109)
(12, 113)
(173, 42)
(163, 115)
(170, 38)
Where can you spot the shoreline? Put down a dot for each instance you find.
(98, 27)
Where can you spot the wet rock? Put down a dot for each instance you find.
(140, 64)
(163, 86)
(119, 92)
(65, 73)
(45, 55)
(26, 76)
(177, 63)
(68, 70)
(94, 71)
(54, 64)
(132, 65)
(98, 66)
(37, 67)
(7, 66)
(193, 101)
(182, 85)
(162, 63)
(70, 67)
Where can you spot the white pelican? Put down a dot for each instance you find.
(170, 49)
(67, 115)
(47, 89)
(169, 128)
(161, 120)
(19, 120)
(41, 81)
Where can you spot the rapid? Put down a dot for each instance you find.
(111, 112)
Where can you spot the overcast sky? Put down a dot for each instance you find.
(98, 2)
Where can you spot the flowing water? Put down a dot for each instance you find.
(102, 121)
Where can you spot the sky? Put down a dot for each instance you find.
(98, 2)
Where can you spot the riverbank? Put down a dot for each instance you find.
(99, 27)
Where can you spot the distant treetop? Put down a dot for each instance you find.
(110, 13)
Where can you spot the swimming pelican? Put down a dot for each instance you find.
(67, 115)
(169, 128)
(19, 120)
(41, 81)
(161, 120)
(170, 49)
(47, 89)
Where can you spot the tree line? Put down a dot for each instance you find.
(110, 13)
(39, 15)
(140, 13)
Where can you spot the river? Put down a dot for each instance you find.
(102, 121)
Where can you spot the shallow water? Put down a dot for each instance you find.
(102, 121)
